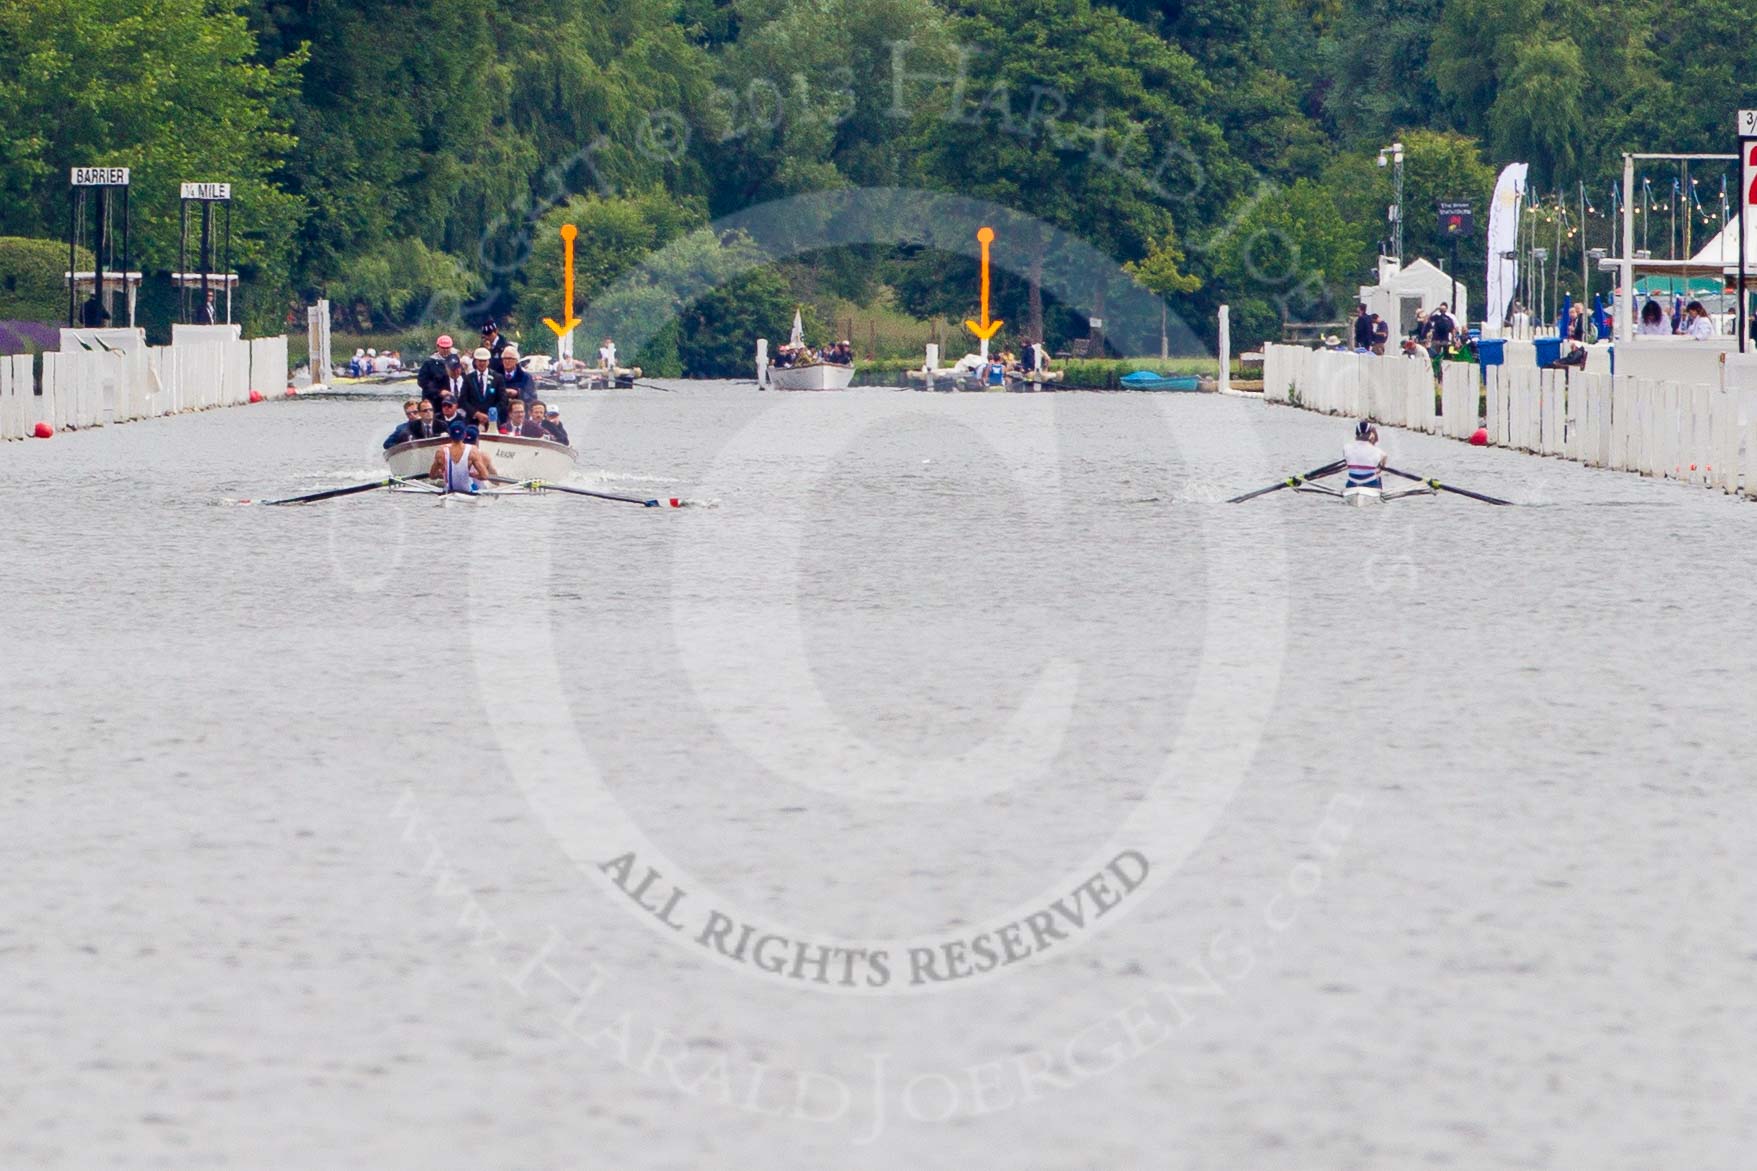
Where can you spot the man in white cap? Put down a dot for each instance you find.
(484, 400)
(514, 380)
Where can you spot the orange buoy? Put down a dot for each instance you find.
(43, 431)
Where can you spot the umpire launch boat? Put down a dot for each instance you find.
(516, 457)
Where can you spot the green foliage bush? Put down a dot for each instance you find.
(404, 283)
(33, 283)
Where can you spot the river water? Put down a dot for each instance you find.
(956, 782)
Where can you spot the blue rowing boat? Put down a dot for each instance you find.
(1148, 380)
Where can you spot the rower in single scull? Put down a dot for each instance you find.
(1366, 462)
(460, 466)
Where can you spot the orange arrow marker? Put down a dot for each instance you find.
(569, 233)
(988, 328)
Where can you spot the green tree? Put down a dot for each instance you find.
(1161, 272)
(616, 235)
(1083, 118)
(719, 330)
(33, 286)
(1540, 109)
(169, 88)
(805, 97)
(403, 283)
(1446, 166)
(1293, 256)
(1373, 69)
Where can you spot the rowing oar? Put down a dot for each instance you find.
(1293, 481)
(1439, 487)
(332, 493)
(546, 486)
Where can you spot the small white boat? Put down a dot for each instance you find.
(1361, 497)
(817, 376)
(515, 457)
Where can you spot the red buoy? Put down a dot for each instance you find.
(676, 503)
(256, 396)
(1481, 438)
(291, 392)
(43, 431)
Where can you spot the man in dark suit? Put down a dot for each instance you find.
(549, 419)
(1363, 328)
(431, 378)
(403, 433)
(448, 414)
(483, 393)
(454, 379)
(514, 380)
(424, 424)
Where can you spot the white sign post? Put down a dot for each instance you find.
(100, 176)
(1747, 181)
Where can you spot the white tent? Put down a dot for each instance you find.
(1416, 288)
(1723, 250)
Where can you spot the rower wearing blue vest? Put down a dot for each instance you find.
(1366, 463)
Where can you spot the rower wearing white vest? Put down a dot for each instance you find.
(460, 466)
(1366, 463)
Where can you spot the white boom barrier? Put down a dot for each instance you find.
(92, 387)
(1696, 433)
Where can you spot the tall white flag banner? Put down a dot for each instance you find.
(1503, 237)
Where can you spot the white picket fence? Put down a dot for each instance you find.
(1395, 390)
(1699, 434)
(90, 388)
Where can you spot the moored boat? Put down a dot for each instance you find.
(516, 457)
(815, 376)
(1151, 380)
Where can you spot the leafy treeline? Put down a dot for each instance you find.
(413, 159)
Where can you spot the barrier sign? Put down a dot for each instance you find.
(100, 176)
(208, 192)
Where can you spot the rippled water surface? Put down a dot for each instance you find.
(386, 833)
